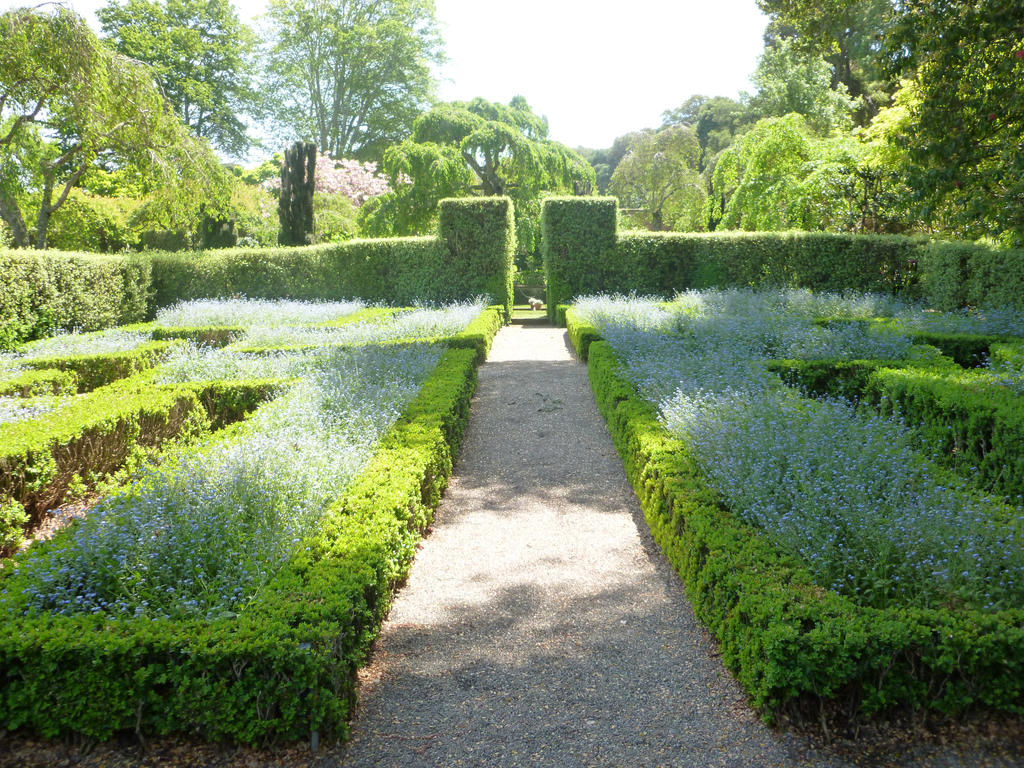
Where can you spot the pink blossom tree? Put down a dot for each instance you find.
(355, 180)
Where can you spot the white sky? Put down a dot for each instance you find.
(596, 70)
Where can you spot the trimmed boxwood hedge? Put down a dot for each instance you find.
(92, 371)
(584, 253)
(471, 256)
(48, 381)
(284, 668)
(95, 434)
(795, 647)
(44, 290)
(975, 425)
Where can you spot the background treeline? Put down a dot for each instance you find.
(868, 116)
(116, 142)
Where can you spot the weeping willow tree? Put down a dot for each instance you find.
(69, 105)
(476, 147)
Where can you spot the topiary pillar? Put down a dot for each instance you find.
(295, 205)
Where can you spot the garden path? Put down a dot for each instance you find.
(540, 624)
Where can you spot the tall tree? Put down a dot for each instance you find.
(68, 104)
(790, 80)
(201, 54)
(848, 34)
(781, 175)
(966, 130)
(352, 74)
(605, 161)
(660, 175)
(715, 121)
(477, 146)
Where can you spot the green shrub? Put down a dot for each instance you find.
(1008, 356)
(967, 274)
(795, 647)
(480, 236)
(92, 371)
(94, 435)
(47, 381)
(334, 218)
(579, 248)
(41, 291)
(472, 257)
(585, 254)
(975, 425)
(92, 223)
(13, 519)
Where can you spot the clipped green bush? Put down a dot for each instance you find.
(41, 291)
(47, 381)
(976, 425)
(579, 248)
(967, 274)
(93, 436)
(93, 371)
(472, 256)
(584, 253)
(480, 236)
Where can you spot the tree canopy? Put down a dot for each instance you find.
(477, 146)
(789, 80)
(352, 75)
(69, 104)
(660, 176)
(200, 53)
(966, 130)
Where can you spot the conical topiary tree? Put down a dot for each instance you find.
(295, 204)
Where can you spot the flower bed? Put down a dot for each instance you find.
(832, 556)
(233, 590)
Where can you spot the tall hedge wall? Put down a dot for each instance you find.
(584, 253)
(43, 290)
(472, 255)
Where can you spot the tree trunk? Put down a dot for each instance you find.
(10, 213)
(45, 209)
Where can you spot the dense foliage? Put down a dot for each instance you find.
(68, 104)
(352, 75)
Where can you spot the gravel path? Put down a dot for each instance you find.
(540, 624)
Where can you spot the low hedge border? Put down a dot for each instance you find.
(285, 667)
(477, 335)
(48, 381)
(94, 371)
(973, 422)
(581, 333)
(94, 435)
(796, 648)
